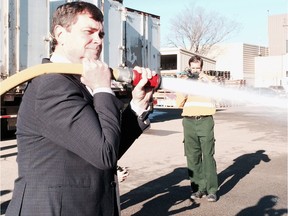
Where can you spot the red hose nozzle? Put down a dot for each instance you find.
(133, 77)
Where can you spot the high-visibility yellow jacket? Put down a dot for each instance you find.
(194, 105)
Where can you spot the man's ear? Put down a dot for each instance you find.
(59, 33)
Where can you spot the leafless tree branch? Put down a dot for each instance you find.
(196, 30)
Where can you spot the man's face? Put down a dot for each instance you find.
(84, 39)
(195, 67)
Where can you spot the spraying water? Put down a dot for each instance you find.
(188, 86)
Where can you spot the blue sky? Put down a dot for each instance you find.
(252, 15)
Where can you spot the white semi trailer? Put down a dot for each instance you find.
(132, 38)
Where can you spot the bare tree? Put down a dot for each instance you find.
(196, 30)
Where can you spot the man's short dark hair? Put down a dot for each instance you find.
(66, 15)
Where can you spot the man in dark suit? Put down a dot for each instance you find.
(72, 130)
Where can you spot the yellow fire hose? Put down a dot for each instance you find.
(34, 71)
(118, 74)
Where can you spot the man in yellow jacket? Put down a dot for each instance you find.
(199, 141)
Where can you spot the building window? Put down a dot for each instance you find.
(168, 62)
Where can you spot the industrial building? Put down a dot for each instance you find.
(260, 66)
(175, 60)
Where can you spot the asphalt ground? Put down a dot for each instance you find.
(251, 155)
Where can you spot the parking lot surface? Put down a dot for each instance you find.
(251, 156)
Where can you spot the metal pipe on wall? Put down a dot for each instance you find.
(17, 37)
(5, 38)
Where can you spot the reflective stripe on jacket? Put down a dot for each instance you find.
(195, 105)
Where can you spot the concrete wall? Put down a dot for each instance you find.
(238, 58)
(278, 34)
(271, 71)
(229, 57)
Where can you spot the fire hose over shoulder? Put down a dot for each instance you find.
(118, 74)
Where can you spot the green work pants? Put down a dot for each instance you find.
(199, 146)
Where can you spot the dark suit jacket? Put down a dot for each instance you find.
(68, 146)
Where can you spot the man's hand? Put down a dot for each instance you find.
(141, 94)
(96, 74)
(122, 173)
